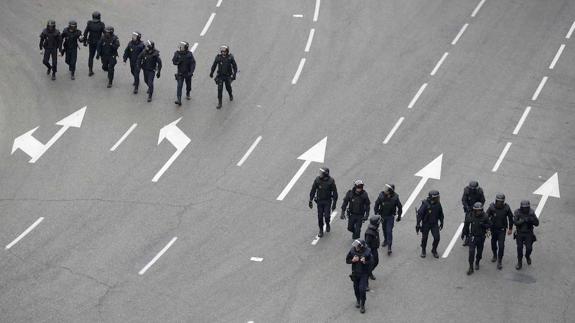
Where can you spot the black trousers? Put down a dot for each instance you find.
(149, 76)
(387, 228)
(70, 58)
(475, 248)
(354, 223)
(135, 73)
(425, 233)
(108, 64)
(91, 53)
(323, 213)
(498, 242)
(221, 80)
(181, 79)
(360, 282)
(524, 239)
(51, 52)
(375, 258)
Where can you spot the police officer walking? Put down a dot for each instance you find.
(324, 193)
(501, 218)
(227, 70)
(184, 59)
(524, 219)
(50, 41)
(372, 241)
(475, 227)
(71, 36)
(387, 206)
(356, 207)
(108, 51)
(361, 259)
(92, 34)
(132, 51)
(430, 218)
(472, 193)
(149, 61)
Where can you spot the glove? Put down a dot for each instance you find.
(333, 207)
(158, 74)
(342, 216)
(441, 226)
(398, 218)
(463, 235)
(85, 44)
(233, 77)
(125, 61)
(310, 204)
(364, 219)
(97, 56)
(417, 228)
(211, 75)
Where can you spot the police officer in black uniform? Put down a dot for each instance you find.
(92, 34)
(361, 260)
(71, 37)
(186, 63)
(227, 70)
(501, 220)
(430, 218)
(108, 51)
(475, 227)
(324, 193)
(149, 61)
(372, 241)
(50, 41)
(387, 206)
(132, 51)
(524, 219)
(358, 210)
(472, 193)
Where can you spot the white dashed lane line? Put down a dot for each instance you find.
(521, 121)
(570, 32)
(124, 137)
(453, 241)
(316, 11)
(250, 150)
(417, 95)
(143, 271)
(557, 55)
(476, 10)
(23, 234)
(539, 88)
(208, 23)
(393, 130)
(438, 65)
(459, 34)
(501, 157)
(309, 40)
(298, 72)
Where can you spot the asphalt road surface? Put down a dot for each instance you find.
(89, 237)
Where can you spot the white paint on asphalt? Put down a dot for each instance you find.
(316, 11)
(298, 16)
(309, 40)
(23, 234)
(556, 58)
(124, 137)
(453, 241)
(431, 170)
(143, 271)
(247, 154)
(393, 130)
(331, 217)
(570, 31)
(438, 65)
(208, 23)
(501, 156)
(257, 259)
(194, 47)
(417, 95)
(219, 3)
(298, 72)
(549, 188)
(461, 31)
(176, 137)
(476, 10)
(522, 120)
(539, 88)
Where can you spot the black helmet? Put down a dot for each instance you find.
(150, 44)
(183, 46)
(478, 206)
(96, 15)
(374, 220)
(324, 171)
(500, 197)
(525, 204)
(389, 188)
(433, 194)
(51, 24)
(72, 24)
(358, 183)
(136, 35)
(473, 185)
(358, 243)
(109, 30)
(224, 49)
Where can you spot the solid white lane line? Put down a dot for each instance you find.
(316, 239)
(208, 23)
(219, 3)
(298, 72)
(539, 88)
(393, 130)
(194, 47)
(247, 154)
(257, 259)
(438, 65)
(477, 8)
(298, 16)
(23, 234)
(570, 31)
(556, 58)
(143, 271)
(453, 241)
(309, 40)
(461, 31)
(520, 123)
(500, 159)
(416, 97)
(124, 137)
(316, 11)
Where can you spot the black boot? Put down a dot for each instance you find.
(72, 76)
(109, 84)
(389, 250)
(362, 307)
(178, 101)
(188, 97)
(231, 97)
(135, 90)
(320, 234)
(48, 71)
(499, 265)
(422, 253)
(53, 76)
(528, 260)
(494, 259)
(327, 227)
(519, 264)
(435, 254)
(470, 270)
(149, 98)
(477, 265)
(357, 304)
(90, 73)
(219, 106)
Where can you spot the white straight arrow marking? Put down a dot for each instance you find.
(549, 188)
(176, 137)
(432, 170)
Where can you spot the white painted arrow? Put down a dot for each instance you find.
(314, 154)
(175, 136)
(432, 170)
(34, 148)
(549, 188)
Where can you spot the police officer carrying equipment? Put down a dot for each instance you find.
(108, 51)
(430, 218)
(71, 36)
(356, 207)
(132, 51)
(387, 206)
(501, 220)
(475, 227)
(184, 59)
(472, 193)
(372, 241)
(361, 259)
(324, 193)
(92, 34)
(149, 61)
(524, 219)
(50, 41)
(227, 70)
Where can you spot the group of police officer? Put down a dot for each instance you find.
(143, 56)
(497, 221)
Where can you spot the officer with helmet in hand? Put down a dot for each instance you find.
(50, 42)
(108, 51)
(71, 37)
(186, 63)
(356, 206)
(324, 193)
(226, 74)
(149, 61)
(430, 219)
(132, 51)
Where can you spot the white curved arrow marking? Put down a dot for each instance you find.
(549, 188)
(432, 170)
(178, 138)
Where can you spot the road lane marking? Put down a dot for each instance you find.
(461, 31)
(177, 138)
(393, 130)
(556, 58)
(520, 123)
(416, 97)
(23, 234)
(500, 159)
(194, 47)
(124, 137)
(257, 259)
(309, 40)
(438, 65)
(143, 271)
(298, 16)
(453, 241)
(474, 13)
(316, 11)
(219, 3)
(570, 31)
(207, 26)
(247, 154)
(298, 72)
(332, 216)
(539, 88)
